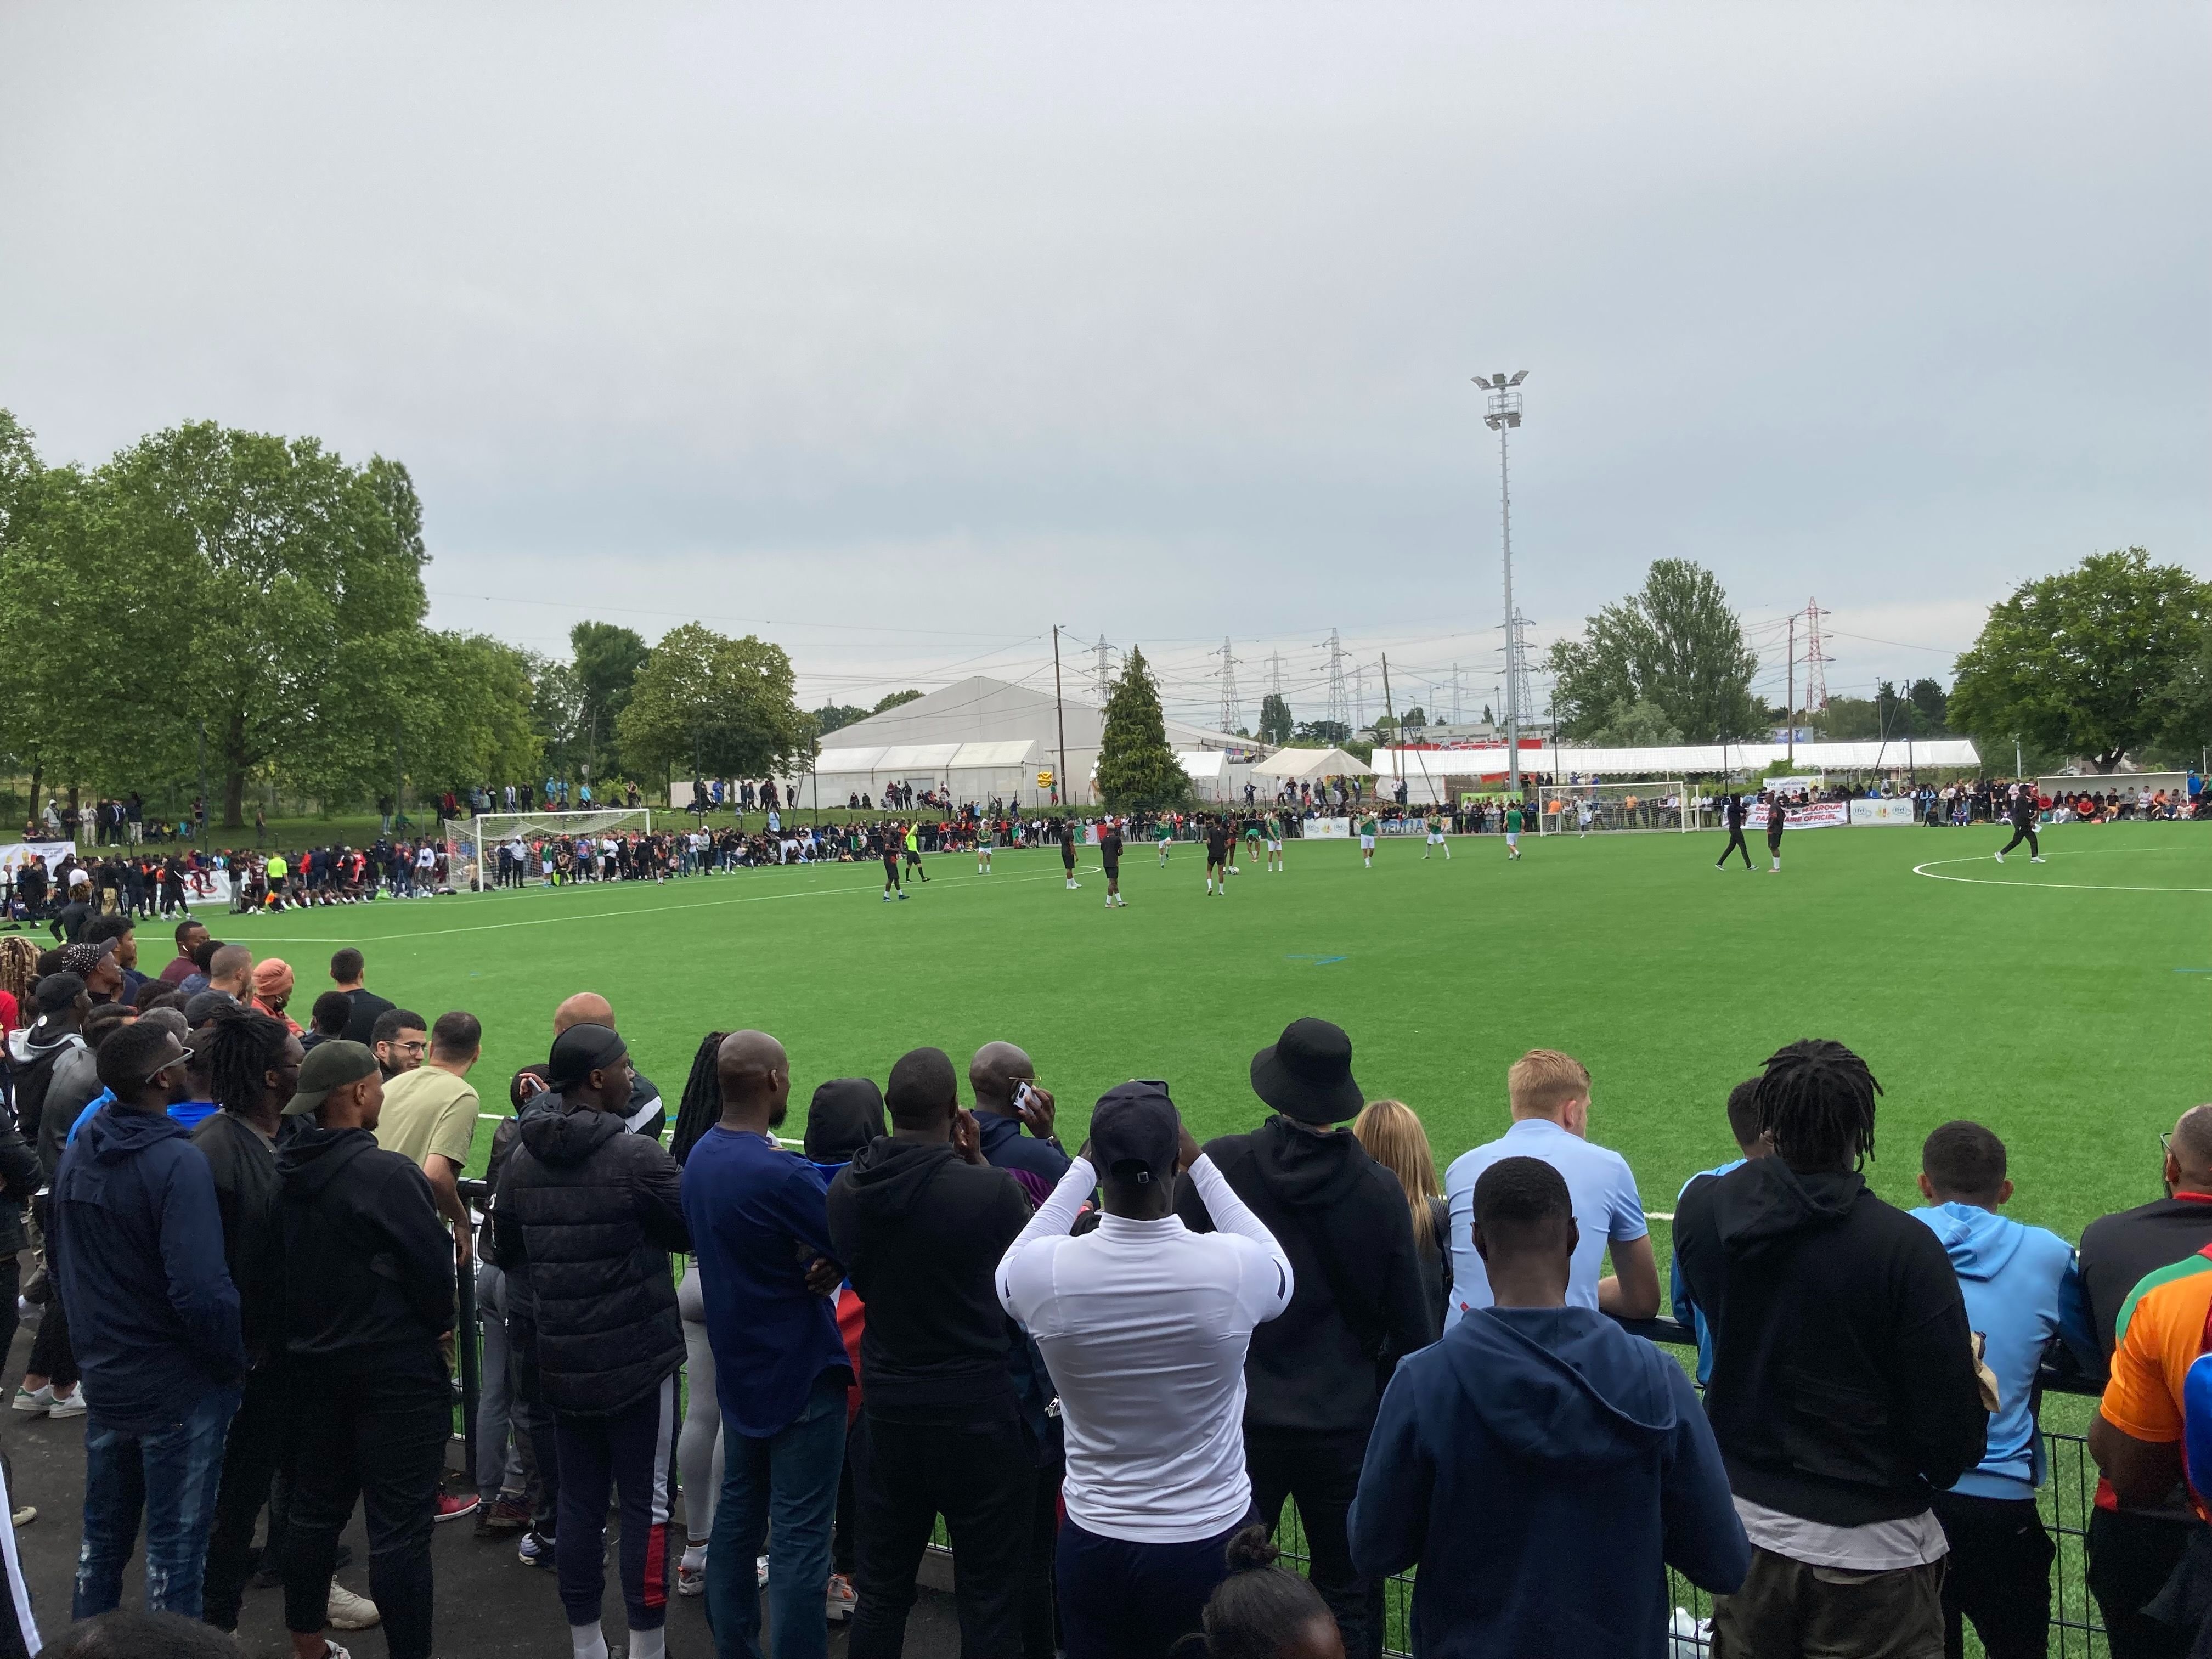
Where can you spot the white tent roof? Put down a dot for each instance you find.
(1202, 762)
(894, 760)
(1313, 763)
(1676, 760)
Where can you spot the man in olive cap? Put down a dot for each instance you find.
(1314, 1376)
(368, 1292)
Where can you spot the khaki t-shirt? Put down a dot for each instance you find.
(429, 1111)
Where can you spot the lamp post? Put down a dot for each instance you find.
(1504, 414)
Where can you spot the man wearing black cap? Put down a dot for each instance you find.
(919, 1221)
(1315, 1375)
(590, 1211)
(368, 1293)
(1143, 1324)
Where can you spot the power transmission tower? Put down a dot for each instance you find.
(1517, 675)
(1232, 710)
(1359, 695)
(1455, 693)
(1105, 653)
(1339, 705)
(1275, 672)
(1816, 662)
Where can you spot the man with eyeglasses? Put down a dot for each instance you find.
(400, 1040)
(2136, 1544)
(136, 1249)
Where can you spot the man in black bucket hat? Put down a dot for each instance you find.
(1314, 1376)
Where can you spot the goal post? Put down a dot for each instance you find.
(477, 840)
(1574, 809)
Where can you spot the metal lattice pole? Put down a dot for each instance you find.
(1504, 414)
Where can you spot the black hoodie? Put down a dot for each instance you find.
(920, 1232)
(369, 1266)
(1359, 1306)
(588, 1212)
(1843, 1387)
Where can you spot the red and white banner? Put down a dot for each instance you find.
(1817, 815)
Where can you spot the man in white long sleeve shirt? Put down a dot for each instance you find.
(1143, 1325)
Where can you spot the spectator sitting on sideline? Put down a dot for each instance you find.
(1549, 1095)
(1844, 1393)
(1144, 1325)
(2019, 1282)
(1315, 1375)
(1743, 1125)
(1540, 1465)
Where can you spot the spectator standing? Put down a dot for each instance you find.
(22, 1175)
(845, 1114)
(368, 1298)
(593, 1213)
(1315, 1375)
(1743, 1128)
(328, 1019)
(400, 1040)
(272, 990)
(1144, 1325)
(137, 1243)
(2135, 1545)
(920, 1222)
(2019, 1282)
(1844, 1393)
(190, 935)
(347, 967)
(1395, 1139)
(1549, 1095)
(760, 1229)
(1540, 1464)
(429, 1116)
(123, 929)
(699, 1446)
(1007, 1101)
(230, 970)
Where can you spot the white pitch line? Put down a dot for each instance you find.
(1929, 870)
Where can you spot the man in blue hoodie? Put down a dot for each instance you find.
(136, 1247)
(1540, 1465)
(2021, 1288)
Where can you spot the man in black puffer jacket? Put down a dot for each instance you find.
(590, 1212)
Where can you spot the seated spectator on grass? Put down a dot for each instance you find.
(1395, 1139)
(2134, 1546)
(1262, 1612)
(1316, 1374)
(1743, 1125)
(1549, 1095)
(1844, 1393)
(1144, 1325)
(2018, 1282)
(1541, 1466)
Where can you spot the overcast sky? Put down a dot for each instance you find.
(900, 333)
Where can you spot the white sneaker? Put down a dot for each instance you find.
(39, 1399)
(2037, 860)
(72, 1406)
(761, 1571)
(690, 1580)
(1999, 857)
(347, 1610)
(839, 1599)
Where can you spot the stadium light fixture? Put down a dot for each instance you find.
(1503, 415)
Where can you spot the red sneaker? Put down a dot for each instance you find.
(451, 1508)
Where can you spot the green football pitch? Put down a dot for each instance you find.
(2068, 1006)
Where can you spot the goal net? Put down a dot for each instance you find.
(473, 846)
(1574, 809)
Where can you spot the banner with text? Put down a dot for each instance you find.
(1816, 815)
(1891, 811)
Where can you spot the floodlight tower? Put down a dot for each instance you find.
(1504, 414)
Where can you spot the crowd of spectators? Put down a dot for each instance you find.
(1109, 1369)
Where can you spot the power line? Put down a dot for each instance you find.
(1233, 711)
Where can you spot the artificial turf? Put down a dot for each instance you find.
(2068, 1006)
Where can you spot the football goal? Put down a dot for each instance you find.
(474, 846)
(1575, 808)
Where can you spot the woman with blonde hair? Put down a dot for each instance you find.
(1395, 1139)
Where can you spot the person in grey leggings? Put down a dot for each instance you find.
(699, 1447)
(500, 1479)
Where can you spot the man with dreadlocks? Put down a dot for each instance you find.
(1844, 1390)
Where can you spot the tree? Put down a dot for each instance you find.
(607, 658)
(1673, 644)
(1413, 716)
(1136, 767)
(1931, 709)
(1641, 724)
(894, 700)
(835, 716)
(1275, 724)
(721, 705)
(2083, 663)
(2188, 700)
(1327, 733)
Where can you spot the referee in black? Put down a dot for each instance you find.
(1777, 819)
(1732, 816)
(1110, 855)
(1067, 851)
(2024, 810)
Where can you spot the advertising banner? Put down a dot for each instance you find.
(1817, 815)
(1328, 829)
(15, 854)
(1891, 811)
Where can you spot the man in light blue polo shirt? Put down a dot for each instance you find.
(1549, 1094)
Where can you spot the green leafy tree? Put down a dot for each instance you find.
(1641, 724)
(837, 716)
(1136, 767)
(2085, 662)
(894, 700)
(606, 658)
(723, 706)
(1413, 717)
(1931, 709)
(1675, 644)
(1326, 733)
(1275, 722)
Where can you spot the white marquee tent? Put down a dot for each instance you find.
(1312, 763)
(1676, 760)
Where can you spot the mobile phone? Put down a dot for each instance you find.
(1023, 1096)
